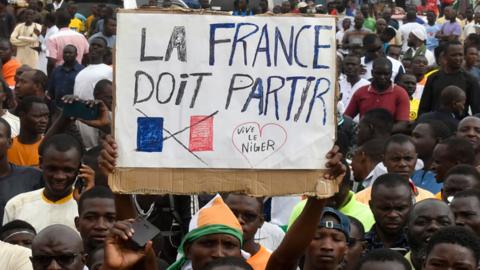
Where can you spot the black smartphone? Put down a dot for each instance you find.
(79, 109)
(144, 231)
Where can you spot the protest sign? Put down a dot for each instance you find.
(204, 97)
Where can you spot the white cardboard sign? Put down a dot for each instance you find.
(211, 91)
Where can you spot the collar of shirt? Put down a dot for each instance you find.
(374, 241)
(61, 201)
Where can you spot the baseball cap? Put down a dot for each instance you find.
(419, 33)
(343, 225)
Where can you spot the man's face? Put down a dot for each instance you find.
(424, 140)
(111, 28)
(469, 14)
(60, 170)
(450, 256)
(454, 56)
(29, 16)
(409, 83)
(356, 246)
(455, 183)
(5, 141)
(472, 56)
(5, 51)
(210, 247)
(394, 52)
(381, 25)
(20, 238)
(427, 218)
(286, 8)
(25, 86)
(467, 212)
(36, 119)
(59, 254)
(359, 20)
(441, 162)
(419, 66)
(469, 129)
(106, 96)
(365, 131)
(431, 17)
(346, 23)
(382, 76)
(412, 40)
(358, 168)
(351, 66)
(97, 49)
(69, 54)
(97, 217)
(387, 14)
(400, 158)
(327, 248)
(248, 212)
(390, 208)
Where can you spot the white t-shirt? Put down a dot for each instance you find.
(84, 84)
(348, 90)
(269, 235)
(13, 121)
(37, 210)
(13, 257)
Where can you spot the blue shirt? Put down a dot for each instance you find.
(426, 180)
(62, 81)
(432, 41)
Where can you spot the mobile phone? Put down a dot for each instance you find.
(79, 109)
(144, 231)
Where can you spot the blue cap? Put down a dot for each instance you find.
(343, 226)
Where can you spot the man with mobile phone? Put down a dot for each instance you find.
(60, 162)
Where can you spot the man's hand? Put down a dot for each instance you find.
(334, 165)
(87, 174)
(108, 156)
(103, 121)
(118, 254)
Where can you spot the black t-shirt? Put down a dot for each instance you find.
(20, 180)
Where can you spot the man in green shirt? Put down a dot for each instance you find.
(369, 22)
(344, 200)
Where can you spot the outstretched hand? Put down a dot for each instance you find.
(118, 254)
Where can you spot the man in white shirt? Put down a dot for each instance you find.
(60, 163)
(374, 49)
(85, 83)
(13, 257)
(411, 24)
(416, 46)
(350, 83)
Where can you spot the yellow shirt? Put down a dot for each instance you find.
(24, 154)
(365, 195)
(77, 25)
(260, 259)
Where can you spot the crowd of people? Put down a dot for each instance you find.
(407, 151)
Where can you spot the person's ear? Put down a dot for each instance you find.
(77, 223)
(188, 248)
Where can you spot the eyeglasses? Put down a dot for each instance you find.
(42, 261)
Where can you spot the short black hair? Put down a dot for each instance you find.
(439, 129)
(451, 43)
(384, 255)
(398, 139)
(27, 103)
(61, 142)
(62, 18)
(390, 180)
(370, 39)
(381, 119)
(475, 193)
(15, 225)
(356, 223)
(100, 86)
(382, 61)
(373, 149)
(464, 169)
(459, 150)
(97, 192)
(39, 77)
(458, 236)
(390, 46)
(228, 261)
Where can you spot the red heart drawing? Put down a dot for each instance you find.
(255, 143)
